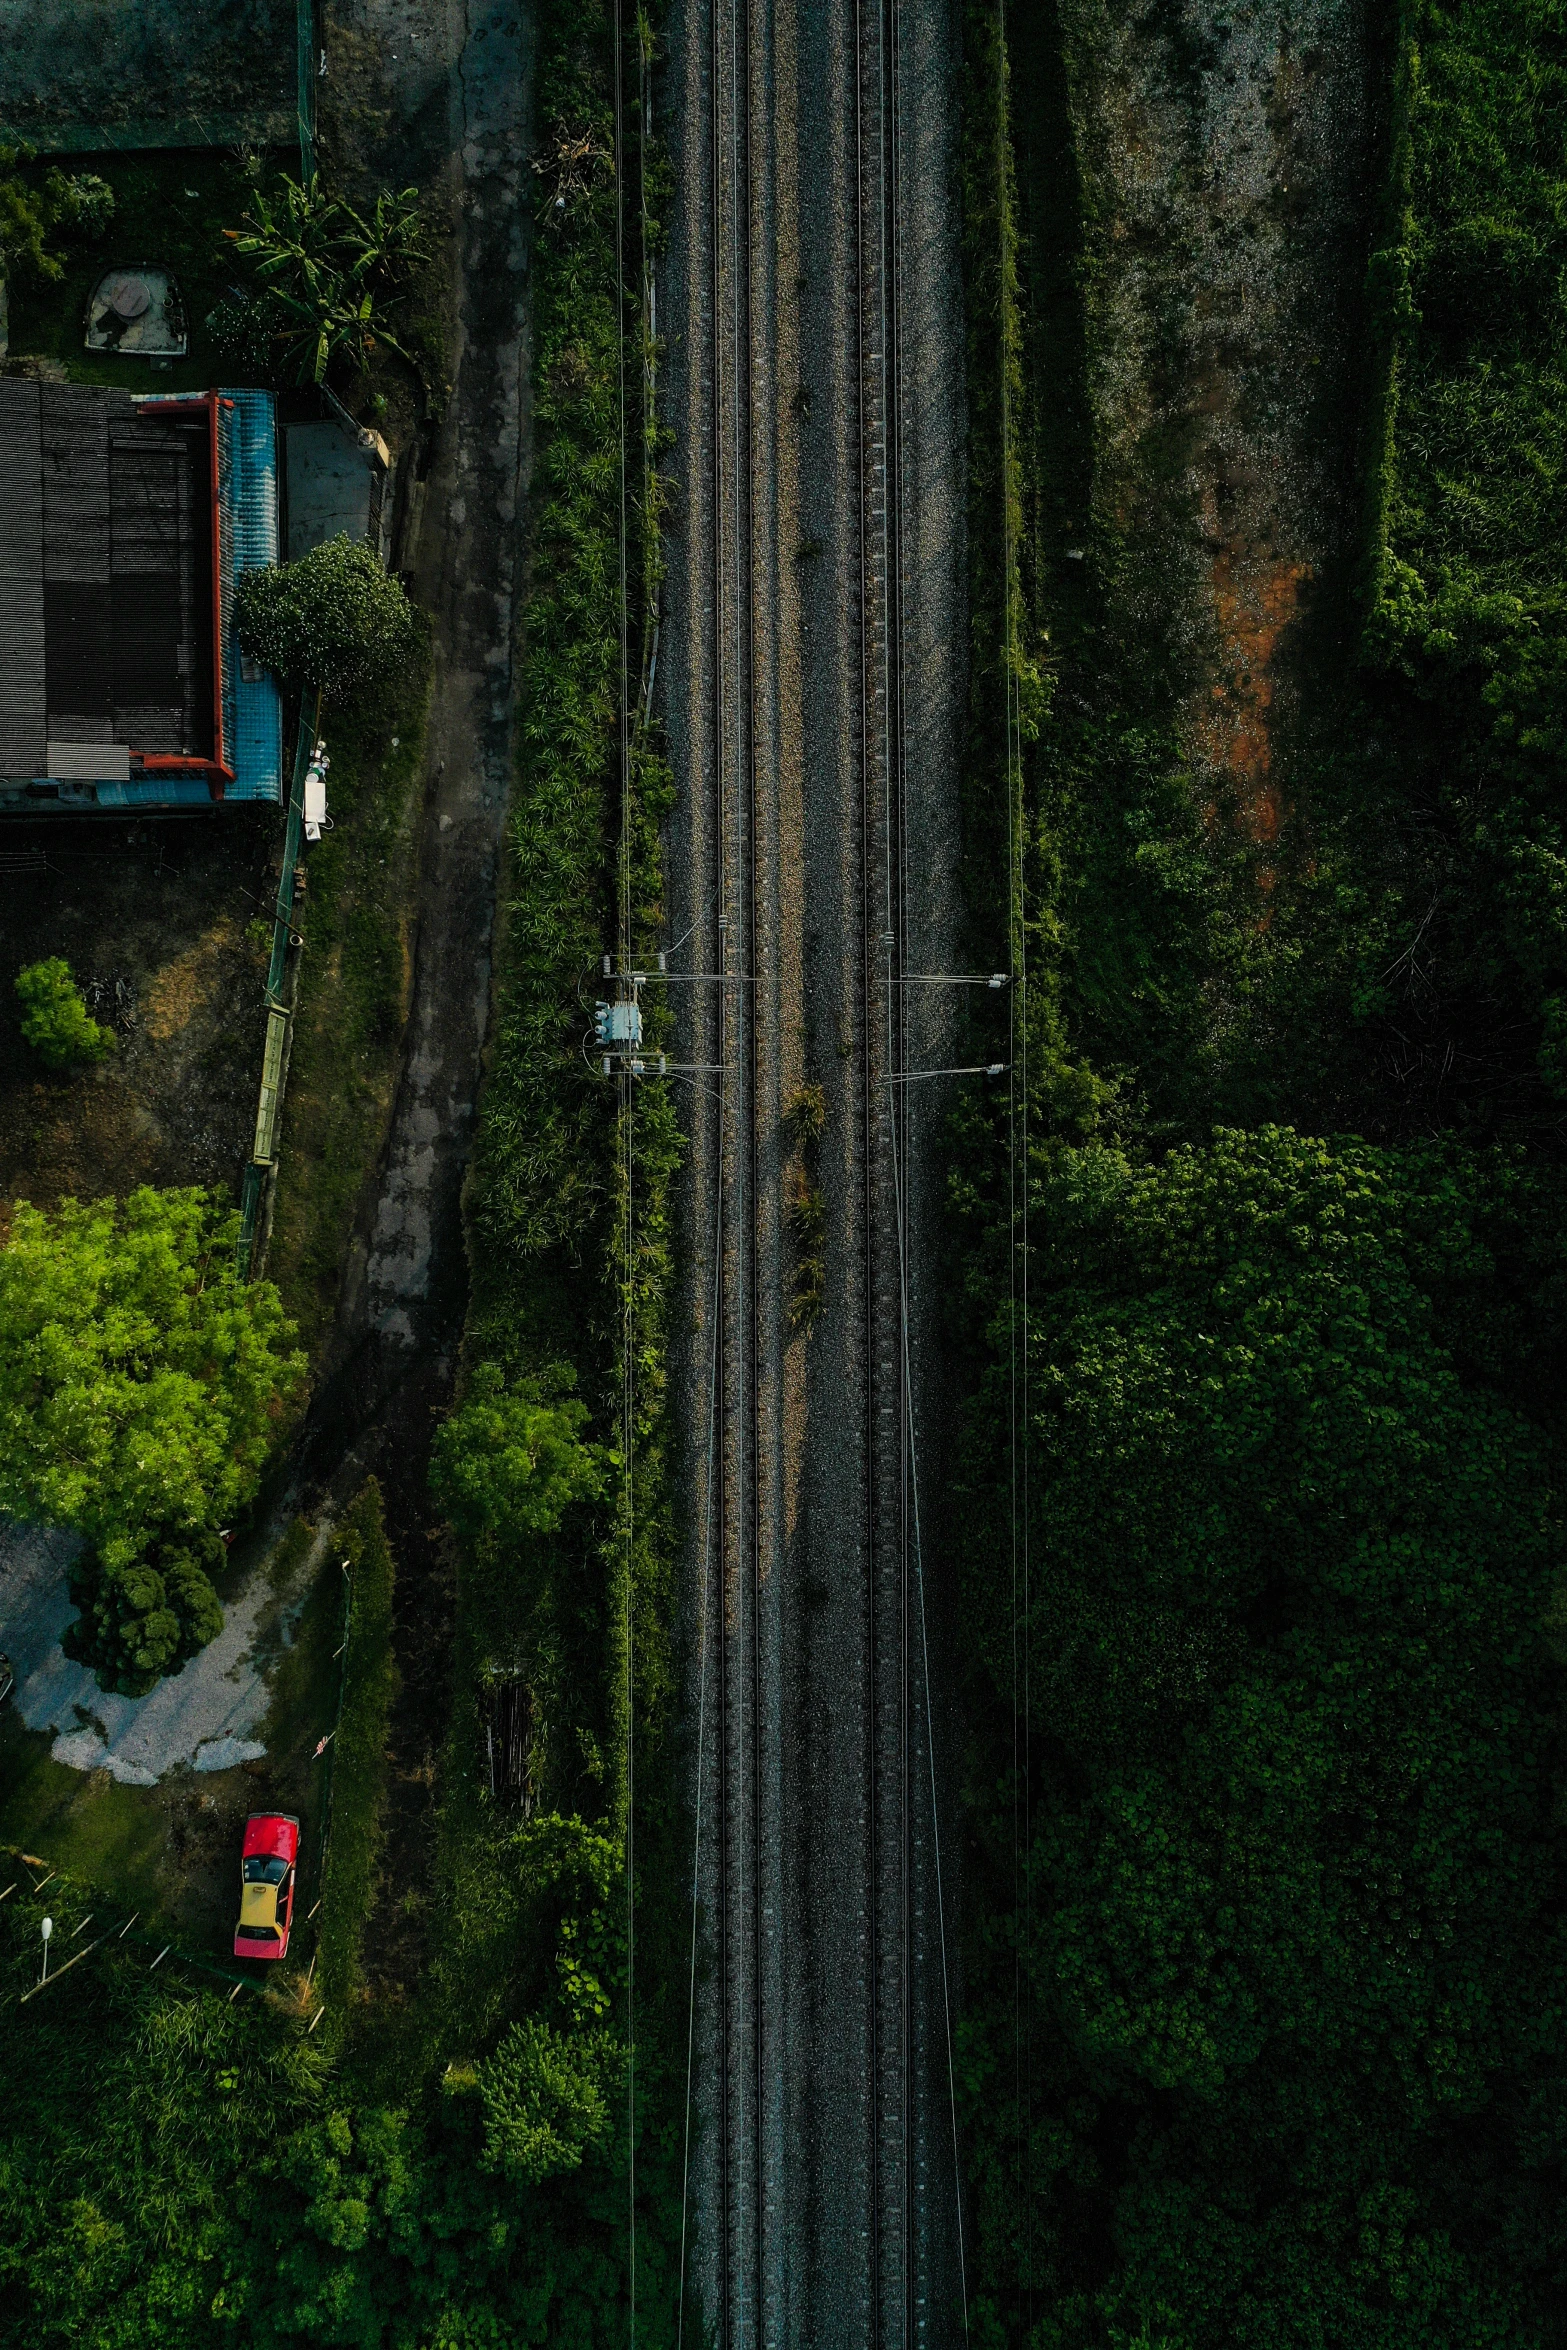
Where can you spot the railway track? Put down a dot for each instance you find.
(883, 870)
(743, 1600)
(811, 2169)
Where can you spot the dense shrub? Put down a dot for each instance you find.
(36, 205)
(336, 619)
(142, 1615)
(1467, 636)
(357, 1760)
(188, 2173)
(55, 1020)
(516, 1459)
(545, 2096)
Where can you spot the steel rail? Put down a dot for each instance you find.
(736, 1614)
(884, 915)
(753, 2258)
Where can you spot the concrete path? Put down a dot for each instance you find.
(205, 1718)
(467, 69)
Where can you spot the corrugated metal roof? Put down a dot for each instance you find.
(257, 722)
(22, 729)
(163, 791)
(106, 594)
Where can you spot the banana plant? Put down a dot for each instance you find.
(328, 273)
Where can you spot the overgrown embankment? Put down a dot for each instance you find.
(554, 1467)
(353, 995)
(460, 2169)
(356, 1800)
(1263, 1473)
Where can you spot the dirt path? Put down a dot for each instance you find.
(1226, 166)
(416, 66)
(441, 89)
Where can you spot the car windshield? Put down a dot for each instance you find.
(258, 1933)
(265, 1868)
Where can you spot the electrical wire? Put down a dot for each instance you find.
(701, 1725)
(930, 1725)
(628, 1368)
(1017, 1252)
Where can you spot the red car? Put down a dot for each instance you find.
(266, 1885)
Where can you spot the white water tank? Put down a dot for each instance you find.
(315, 793)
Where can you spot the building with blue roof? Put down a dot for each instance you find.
(129, 521)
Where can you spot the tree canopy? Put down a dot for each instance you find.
(142, 1385)
(515, 1460)
(1287, 1902)
(336, 619)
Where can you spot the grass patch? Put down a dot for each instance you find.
(84, 1822)
(357, 1793)
(355, 982)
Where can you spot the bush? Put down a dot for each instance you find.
(336, 619)
(329, 278)
(143, 1615)
(31, 211)
(55, 1020)
(511, 1461)
(545, 2097)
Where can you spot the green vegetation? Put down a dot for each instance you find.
(181, 2171)
(358, 1751)
(143, 1615)
(1466, 641)
(1263, 1606)
(457, 2173)
(153, 2101)
(329, 280)
(169, 207)
(55, 1018)
(113, 1833)
(36, 205)
(354, 983)
(565, 1589)
(1287, 1881)
(336, 618)
(517, 1459)
(142, 1386)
